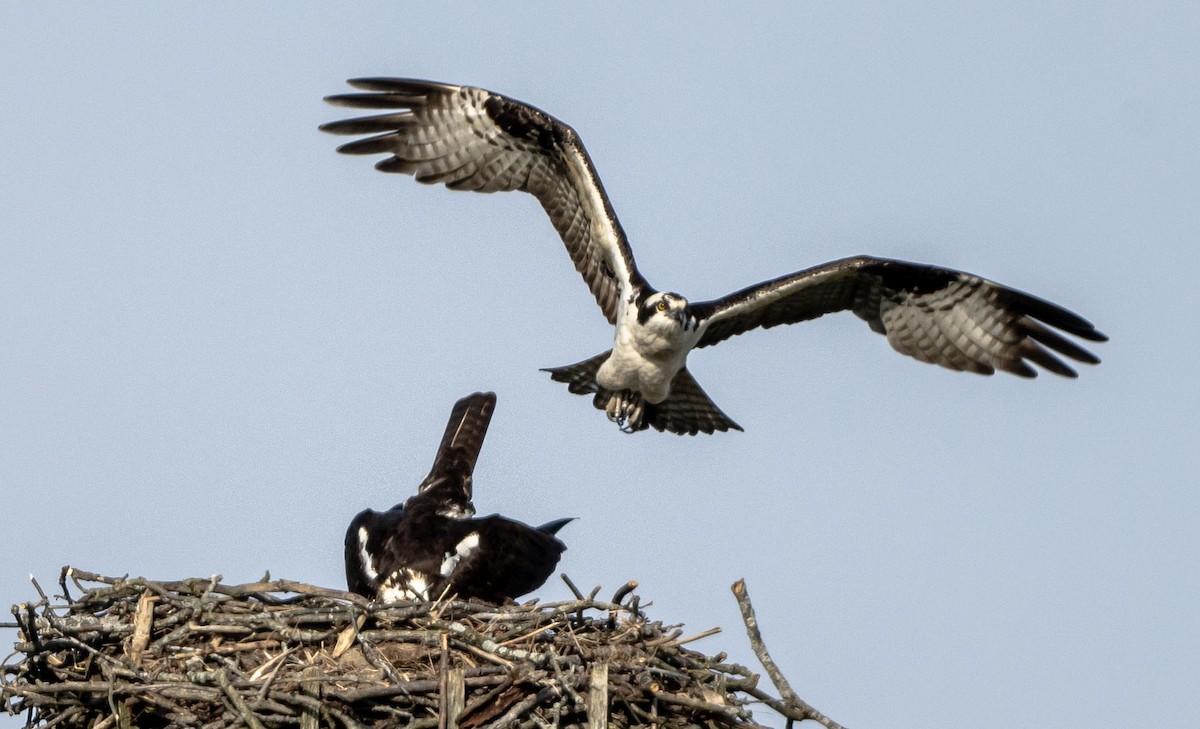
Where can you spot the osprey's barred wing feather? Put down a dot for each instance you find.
(937, 315)
(472, 139)
(454, 463)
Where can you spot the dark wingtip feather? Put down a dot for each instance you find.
(376, 83)
(351, 100)
(1036, 354)
(341, 126)
(411, 86)
(1039, 333)
(388, 123)
(1055, 316)
(395, 165)
(1016, 366)
(382, 144)
(381, 100)
(333, 127)
(552, 527)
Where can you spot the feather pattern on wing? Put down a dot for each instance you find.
(936, 315)
(468, 138)
(472, 139)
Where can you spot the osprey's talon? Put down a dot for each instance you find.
(613, 410)
(635, 413)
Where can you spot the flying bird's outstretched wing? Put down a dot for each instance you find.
(473, 139)
(937, 315)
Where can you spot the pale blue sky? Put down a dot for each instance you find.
(220, 339)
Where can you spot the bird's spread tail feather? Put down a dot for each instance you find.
(687, 410)
(459, 449)
(580, 377)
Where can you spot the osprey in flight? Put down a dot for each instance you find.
(430, 544)
(472, 139)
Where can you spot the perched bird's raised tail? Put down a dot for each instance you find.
(450, 478)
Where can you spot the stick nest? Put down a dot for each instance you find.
(199, 653)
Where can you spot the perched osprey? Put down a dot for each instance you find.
(431, 543)
(473, 139)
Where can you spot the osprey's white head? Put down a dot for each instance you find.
(663, 334)
(664, 312)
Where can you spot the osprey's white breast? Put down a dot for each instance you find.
(646, 357)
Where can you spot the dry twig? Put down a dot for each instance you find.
(792, 705)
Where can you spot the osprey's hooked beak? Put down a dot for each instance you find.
(684, 318)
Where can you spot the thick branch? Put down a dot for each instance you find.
(790, 697)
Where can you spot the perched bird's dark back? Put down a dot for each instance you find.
(433, 543)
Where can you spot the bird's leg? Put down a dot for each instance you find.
(625, 409)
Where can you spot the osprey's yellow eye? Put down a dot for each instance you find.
(662, 306)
